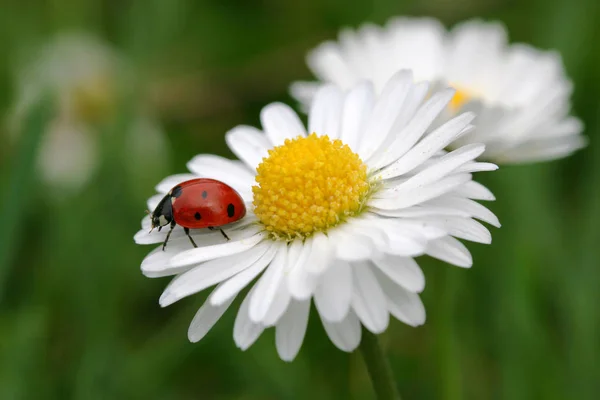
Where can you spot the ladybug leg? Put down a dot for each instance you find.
(224, 234)
(212, 228)
(187, 232)
(168, 234)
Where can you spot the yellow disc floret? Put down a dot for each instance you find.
(460, 98)
(308, 184)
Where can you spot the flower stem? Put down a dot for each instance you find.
(378, 367)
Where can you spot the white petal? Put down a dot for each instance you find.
(463, 228)
(421, 210)
(279, 305)
(476, 167)
(413, 100)
(200, 254)
(268, 285)
(290, 330)
(326, 111)
(245, 332)
(206, 317)
(334, 293)
(474, 190)
(358, 105)
(156, 263)
(396, 199)
(249, 144)
(402, 304)
(346, 334)
(369, 231)
(304, 92)
(424, 227)
(153, 201)
(170, 182)
(430, 145)
(236, 283)
(210, 273)
(406, 245)
(368, 300)
(320, 254)
(280, 122)
(418, 125)
(404, 271)
(328, 65)
(442, 167)
(351, 246)
(385, 112)
(466, 206)
(450, 250)
(300, 282)
(537, 151)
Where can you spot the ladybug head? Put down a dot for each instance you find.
(162, 214)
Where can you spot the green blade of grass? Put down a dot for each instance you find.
(20, 184)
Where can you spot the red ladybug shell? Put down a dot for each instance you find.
(203, 203)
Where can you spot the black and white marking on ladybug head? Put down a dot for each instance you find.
(163, 213)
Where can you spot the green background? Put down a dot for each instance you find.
(79, 321)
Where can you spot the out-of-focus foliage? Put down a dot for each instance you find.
(78, 320)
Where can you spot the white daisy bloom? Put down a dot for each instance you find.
(520, 94)
(85, 76)
(336, 214)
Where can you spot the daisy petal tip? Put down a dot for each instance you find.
(166, 299)
(193, 338)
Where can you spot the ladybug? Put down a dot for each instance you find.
(198, 203)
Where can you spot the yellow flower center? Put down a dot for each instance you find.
(460, 98)
(309, 184)
(94, 100)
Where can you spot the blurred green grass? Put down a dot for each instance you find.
(78, 320)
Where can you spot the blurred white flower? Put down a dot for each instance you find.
(336, 213)
(87, 78)
(520, 94)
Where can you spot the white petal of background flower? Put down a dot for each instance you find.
(520, 94)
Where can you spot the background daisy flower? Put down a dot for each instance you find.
(336, 214)
(520, 94)
(89, 80)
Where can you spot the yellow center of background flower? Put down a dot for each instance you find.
(460, 98)
(308, 184)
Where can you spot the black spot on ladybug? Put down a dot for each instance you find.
(230, 210)
(176, 192)
(197, 215)
(204, 194)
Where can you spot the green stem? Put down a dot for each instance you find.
(378, 367)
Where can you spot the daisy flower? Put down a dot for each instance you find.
(336, 214)
(85, 76)
(520, 94)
